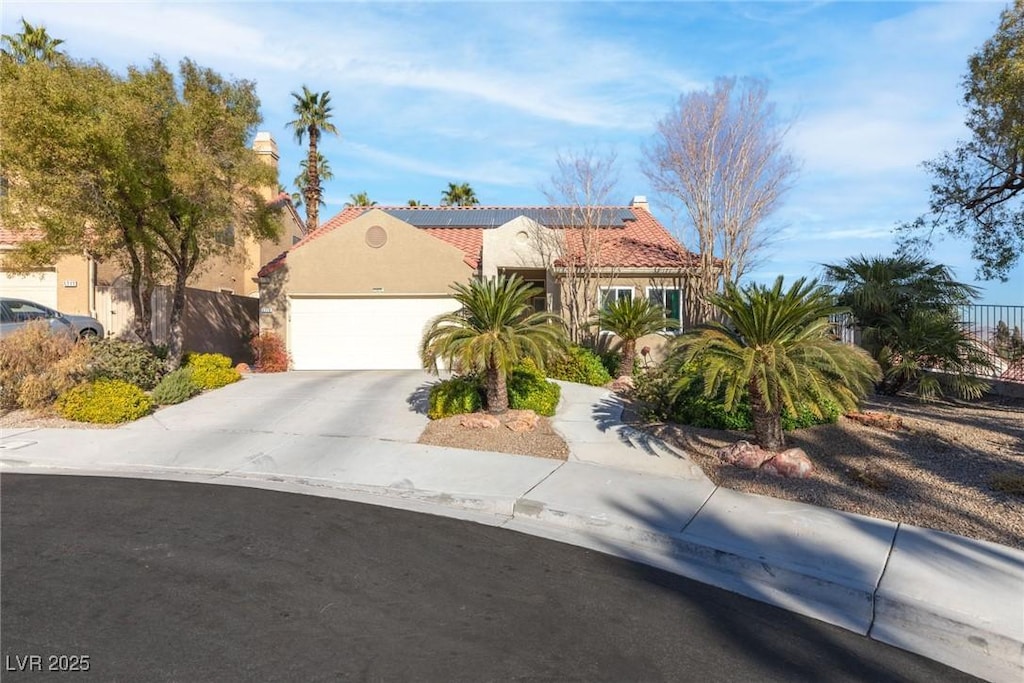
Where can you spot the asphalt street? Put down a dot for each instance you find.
(165, 581)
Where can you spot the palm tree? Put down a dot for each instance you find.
(313, 115)
(495, 329)
(323, 172)
(459, 195)
(907, 309)
(415, 202)
(32, 44)
(360, 199)
(631, 319)
(777, 351)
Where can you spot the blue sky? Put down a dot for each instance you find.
(430, 93)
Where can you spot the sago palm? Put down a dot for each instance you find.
(313, 116)
(777, 350)
(631, 319)
(495, 329)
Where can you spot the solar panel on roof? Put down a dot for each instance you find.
(493, 217)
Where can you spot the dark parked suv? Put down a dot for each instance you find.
(17, 313)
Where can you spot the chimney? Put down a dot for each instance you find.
(640, 202)
(266, 148)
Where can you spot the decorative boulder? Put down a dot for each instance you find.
(744, 454)
(243, 368)
(521, 420)
(792, 463)
(479, 421)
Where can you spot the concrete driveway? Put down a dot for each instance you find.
(384, 404)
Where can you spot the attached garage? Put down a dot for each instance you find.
(39, 287)
(361, 333)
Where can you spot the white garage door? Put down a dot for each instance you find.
(361, 334)
(39, 287)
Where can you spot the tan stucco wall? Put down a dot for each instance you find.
(512, 245)
(73, 285)
(342, 263)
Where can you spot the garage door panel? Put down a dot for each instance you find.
(38, 287)
(361, 334)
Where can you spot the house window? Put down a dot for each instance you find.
(227, 236)
(610, 294)
(669, 299)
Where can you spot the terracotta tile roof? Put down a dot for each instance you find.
(638, 243)
(1014, 372)
(13, 237)
(642, 243)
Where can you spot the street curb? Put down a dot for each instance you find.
(924, 626)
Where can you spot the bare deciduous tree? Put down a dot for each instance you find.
(719, 156)
(579, 191)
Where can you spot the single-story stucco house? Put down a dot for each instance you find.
(358, 292)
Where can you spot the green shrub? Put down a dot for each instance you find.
(691, 407)
(528, 389)
(176, 387)
(130, 362)
(579, 365)
(455, 396)
(104, 401)
(36, 366)
(211, 370)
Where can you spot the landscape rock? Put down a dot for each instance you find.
(479, 421)
(243, 368)
(521, 420)
(887, 421)
(792, 463)
(623, 384)
(744, 454)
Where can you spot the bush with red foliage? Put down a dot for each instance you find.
(270, 352)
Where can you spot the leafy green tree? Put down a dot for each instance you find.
(312, 117)
(360, 199)
(777, 351)
(460, 194)
(148, 169)
(32, 44)
(323, 171)
(631, 319)
(907, 309)
(978, 191)
(415, 202)
(495, 329)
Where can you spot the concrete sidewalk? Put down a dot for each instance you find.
(952, 599)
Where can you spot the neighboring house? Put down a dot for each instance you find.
(78, 284)
(358, 292)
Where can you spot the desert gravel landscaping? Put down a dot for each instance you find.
(941, 470)
(542, 442)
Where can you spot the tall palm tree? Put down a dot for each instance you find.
(631, 319)
(460, 194)
(302, 180)
(777, 350)
(313, 116)
(360, 199)
(32, 44)
(907, 309)
(496, 328)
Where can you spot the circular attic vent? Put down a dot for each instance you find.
(376, 236)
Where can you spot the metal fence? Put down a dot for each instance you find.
(997, 331)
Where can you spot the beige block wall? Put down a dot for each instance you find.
(341, 262)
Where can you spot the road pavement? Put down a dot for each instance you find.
(167, 581)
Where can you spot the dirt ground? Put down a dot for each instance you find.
(543, 442)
